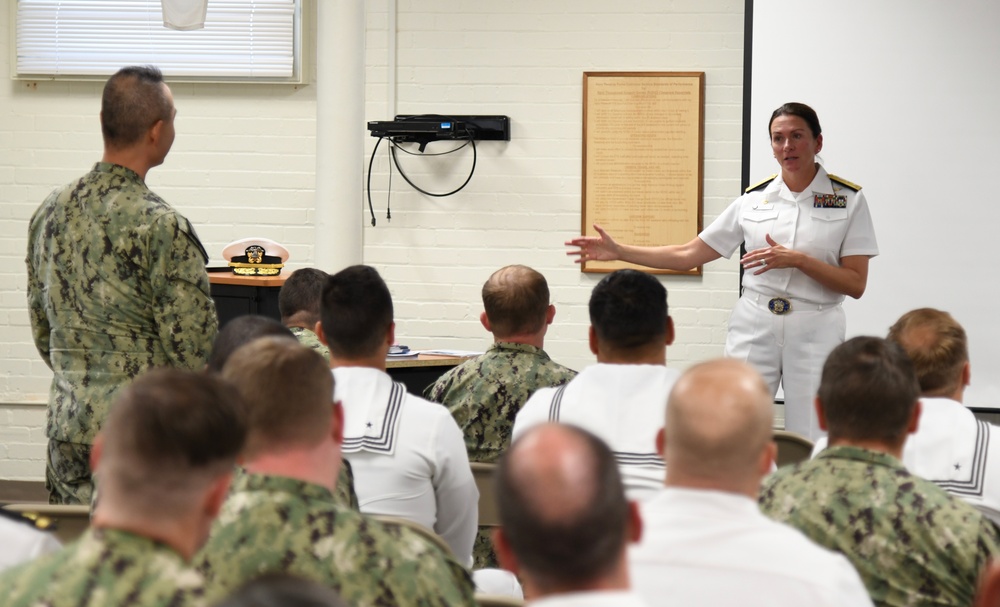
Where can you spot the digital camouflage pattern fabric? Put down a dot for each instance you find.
(272, 524)
(105, 567)
(310, 340)
(344, 494)
(911, 542)
(485, 393)
(67, 473)
(116, 285)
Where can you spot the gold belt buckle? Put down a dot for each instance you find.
(779, 306)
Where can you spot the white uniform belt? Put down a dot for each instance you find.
(796, 305)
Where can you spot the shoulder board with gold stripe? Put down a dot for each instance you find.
(761, 184)
(844, 182)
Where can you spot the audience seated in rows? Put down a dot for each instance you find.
(299, 304)
(281, 516)
(911, 542)
(621, 398)
(565, 522)
(408, 455)
(245, 329)
(484, 394)
(704, 539)
(950, 448)
(165, 458)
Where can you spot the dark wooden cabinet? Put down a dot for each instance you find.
(239, 295)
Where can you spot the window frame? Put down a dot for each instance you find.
(298, 68)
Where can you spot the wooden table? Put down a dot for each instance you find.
(418, 372)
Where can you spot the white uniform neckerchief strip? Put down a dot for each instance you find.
(973, 485)
(624, 458)
(380, 437)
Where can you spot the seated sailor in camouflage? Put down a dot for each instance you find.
(485, 393)
(911, 542)
(116, 279)
(281, 517)
(299, 303)
(245, 329)
(165, 458)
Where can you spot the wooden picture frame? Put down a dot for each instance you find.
(643, 159)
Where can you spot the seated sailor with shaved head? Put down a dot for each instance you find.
(705, 541)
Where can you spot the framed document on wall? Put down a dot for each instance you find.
(643, 142)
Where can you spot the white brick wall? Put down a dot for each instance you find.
(526, 59)
(244, 164)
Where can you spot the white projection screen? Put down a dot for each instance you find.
(908, 95)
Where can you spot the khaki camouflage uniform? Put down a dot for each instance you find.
(273, 524)
(116, 285)
(911, 542)
(104, 567)
(310, 340)
(484, 395)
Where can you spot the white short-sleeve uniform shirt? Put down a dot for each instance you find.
(828, 220)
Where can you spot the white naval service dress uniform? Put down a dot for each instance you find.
(828, 220)
(624, 405)
(955, 451)
(716, 549)
(408, 457)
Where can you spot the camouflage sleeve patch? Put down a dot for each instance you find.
(182, 303)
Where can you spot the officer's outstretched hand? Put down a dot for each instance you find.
(594, 248)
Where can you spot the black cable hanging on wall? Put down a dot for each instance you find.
(423, 129)
(393, 146)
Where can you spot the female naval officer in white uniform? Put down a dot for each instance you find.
(809, 236)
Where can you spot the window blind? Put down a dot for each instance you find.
(241, 40)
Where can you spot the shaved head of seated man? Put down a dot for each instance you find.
(164, 458)
(281, 515)
(704, 539)
(911, 542)
(564, 518)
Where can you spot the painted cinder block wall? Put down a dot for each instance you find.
(244, 164)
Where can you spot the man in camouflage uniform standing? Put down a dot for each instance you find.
(299, 302)
(484, 394)
(281, 517)
(165, 456)
(116, 279)
(911, 542)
